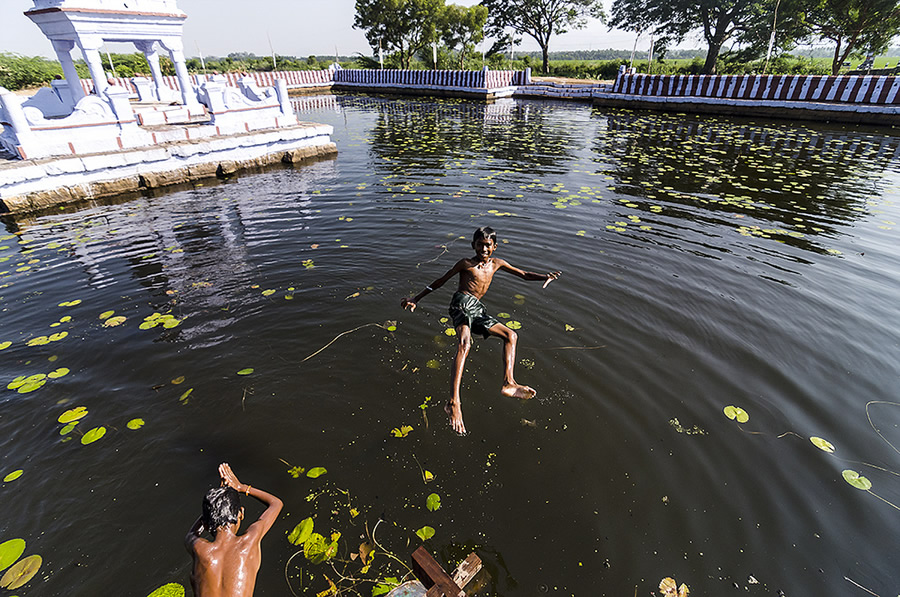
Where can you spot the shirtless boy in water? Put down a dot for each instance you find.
(227, 565)
(469, 314)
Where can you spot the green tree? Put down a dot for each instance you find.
(462, 27)
(855, 26)
(540, 19)
(403, 27)
(670, 21)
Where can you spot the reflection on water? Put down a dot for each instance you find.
(707, 262)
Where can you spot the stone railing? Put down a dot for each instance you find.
(96, 125)
(851, 89)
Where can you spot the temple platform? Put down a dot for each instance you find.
(182, 153)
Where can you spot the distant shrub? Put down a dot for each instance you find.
(20, 72)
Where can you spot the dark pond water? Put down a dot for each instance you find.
(708, 262)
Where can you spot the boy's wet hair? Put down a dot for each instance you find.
(486, 233)
(221, 507)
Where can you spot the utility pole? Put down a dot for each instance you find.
(271, 49)
(202, 63)
(771, 37)
(112, 66)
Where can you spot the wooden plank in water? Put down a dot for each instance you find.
(435, 579)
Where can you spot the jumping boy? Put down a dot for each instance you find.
(469, 315)
(227, 565)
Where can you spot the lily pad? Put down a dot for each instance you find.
(246, 371)
(114, 321)
(107, 314)
(822, 444)
(93, 435)
(433, 502)
(5, 345)
(21, 572)
(268, 292)
(854, 479)
(57, 373)
(513, 325)
(301, 532)
(425, 533)
(178, 380)
(73, 414)
(68, 428)
(433, 364)
(316, 472)
(58, 336)
(10, 551)
(184, 397)
(38, 341)
(173, 589)
(135, 424)
(13, 476)
(736, 413)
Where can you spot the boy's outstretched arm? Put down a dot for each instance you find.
(412, 302)
(267, 518)
(530, 276)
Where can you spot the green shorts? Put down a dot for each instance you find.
(465, 309)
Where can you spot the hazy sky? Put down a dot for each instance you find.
(295, 27)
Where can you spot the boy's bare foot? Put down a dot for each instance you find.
(456, 420)
(514, 390)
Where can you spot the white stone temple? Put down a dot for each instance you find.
(151, 25)
(81, 139)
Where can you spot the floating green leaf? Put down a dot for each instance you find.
(184, 397)
(58, 336)
(317, 549)
(316, 472)
(68, 428)
(70, 303)
(178, 380)
(513, 325)
(107, 314)
(433, 502)
(5, 345)
(10, 552)
(385, 586)
(736, 413)
(173, 589)
(13, 476)
(301, 532)
(854, 479)
(114, 321)
(38, 341)
(32, 383)
(17, 382)
(401, 431)
(56, 374)
(21, 572)
(246, 371)
(296, 471)
(135, 424)
(433, 364)
(93, 435)
(73, 414)
(570, 328)
(822, 444)
(425, 533)
(450, 331)
(268, 292)
(308, 264)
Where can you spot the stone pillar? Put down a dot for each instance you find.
(90, 48)
(11, 106)
(176, 53)
(63, 49)
(151, 53)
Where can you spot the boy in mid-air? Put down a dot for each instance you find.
(469, 315)
(227, 565)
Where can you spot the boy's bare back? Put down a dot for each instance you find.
(227, 566)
